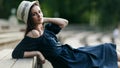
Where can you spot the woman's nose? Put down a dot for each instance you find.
(39, 14)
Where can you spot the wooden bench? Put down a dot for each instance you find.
(6, 61)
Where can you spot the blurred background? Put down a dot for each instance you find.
(101, 17)
(91, 22)
(95, 13)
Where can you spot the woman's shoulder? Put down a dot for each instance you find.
(34, 34)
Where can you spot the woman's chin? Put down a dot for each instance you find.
(41, 21)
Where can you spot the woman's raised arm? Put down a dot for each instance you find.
(58, 21)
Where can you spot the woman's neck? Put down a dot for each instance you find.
(39, 27)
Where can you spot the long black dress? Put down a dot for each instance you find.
(64, 56)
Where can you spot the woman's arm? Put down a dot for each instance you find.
(59, 21)
(28, 54)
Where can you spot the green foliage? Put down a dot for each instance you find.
(104, 13)
(6, 6)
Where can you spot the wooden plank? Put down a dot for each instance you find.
(47, 64)
(24, 63)
(7, 61)
(35, 62)
(92, 39)
(4, 52)
(106, 39)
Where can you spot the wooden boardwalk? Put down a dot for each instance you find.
(74, 37)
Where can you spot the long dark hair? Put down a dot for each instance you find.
(30, 24)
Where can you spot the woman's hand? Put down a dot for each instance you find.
(41, 57)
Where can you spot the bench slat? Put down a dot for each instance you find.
(4, 52)
(7, 61)
(24, 63)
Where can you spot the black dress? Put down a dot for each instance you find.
(64, 56)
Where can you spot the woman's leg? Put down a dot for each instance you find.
(118, 55)
(118, 64)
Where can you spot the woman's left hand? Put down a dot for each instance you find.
(41, 57)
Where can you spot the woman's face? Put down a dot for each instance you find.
(37, 14)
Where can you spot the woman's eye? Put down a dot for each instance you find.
(34, 14)
(39, 11)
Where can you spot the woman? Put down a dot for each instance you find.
(40, 40)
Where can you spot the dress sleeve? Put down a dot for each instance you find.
(52, 27)
(27, 44)
(18, 52)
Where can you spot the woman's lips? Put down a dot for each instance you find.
(39, 19)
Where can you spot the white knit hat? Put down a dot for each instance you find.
(23, 10)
